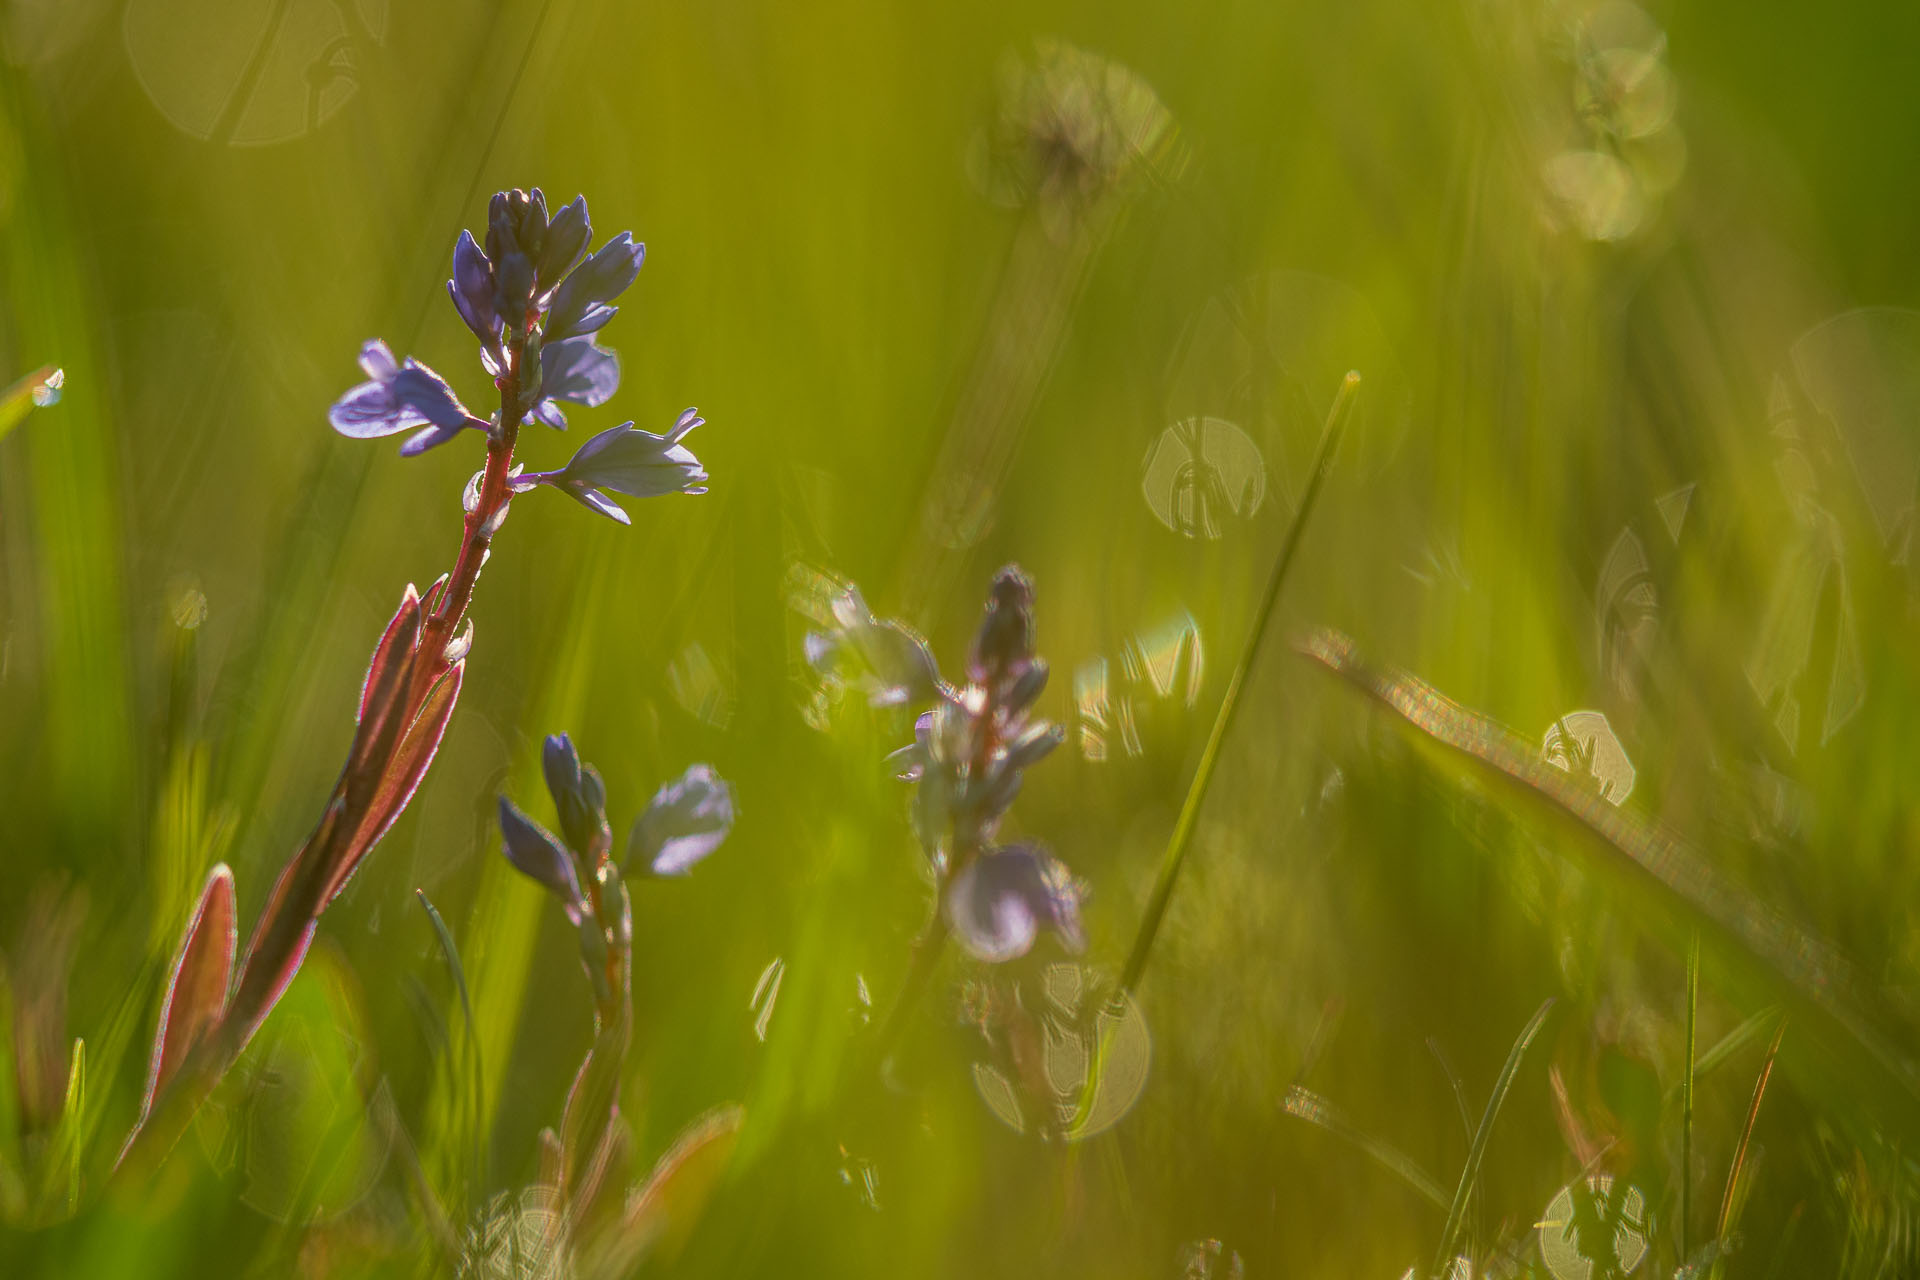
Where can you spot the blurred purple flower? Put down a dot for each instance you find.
(398, 396)
(626, 460)
(1000, 901)
(686, 820)
(1002, 654)
(540, 857)
(578, 370)
(880, 658)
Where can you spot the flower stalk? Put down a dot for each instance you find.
(534, 303)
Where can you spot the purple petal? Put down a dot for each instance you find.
(376, 359)
(537, 855)
(431, 438)
(638, 463)
(472, 289)
(686, 820)
(580, 370)
(370, 410)
(1034, 742)
(593, 319)
(594, 501)
(567, 235)
(578, 795)
(427, 394)
(600, 279)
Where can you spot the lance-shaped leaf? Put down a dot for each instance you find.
(1766, 951)
(383, 696)
(68, 1139)
(686, 820)
(405, 769)
(624, 459)
(407, 616)
(285, 929)
(590, 1122)
(196, 993)
(664, 1210)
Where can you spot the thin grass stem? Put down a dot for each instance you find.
(1182, 839)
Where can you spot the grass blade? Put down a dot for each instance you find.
(1316, 1110)
(451, 954)
(1746, 1136)
(37, 389)
(1686, 1093)
(1470, 1173)
(1671, 877)
(1183, 828)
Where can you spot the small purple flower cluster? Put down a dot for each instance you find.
(686, 820)
(535, 299)
(970, 752)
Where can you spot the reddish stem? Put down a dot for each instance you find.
(284, 929)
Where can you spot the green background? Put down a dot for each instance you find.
(205, 209)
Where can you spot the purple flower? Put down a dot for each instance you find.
(577, 370)
(398, 396)
(625, 460)
(525, 258)
(1000, 901)
(686, 820)
(580, 304)
(579, 797)
(471, 289)
(540, 857)
(516, 237)
(567, 236)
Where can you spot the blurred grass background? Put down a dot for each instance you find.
(1638, 434)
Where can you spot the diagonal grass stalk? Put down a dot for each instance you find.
(1182, 838)
(1470, 1172)
(1686, 1093)
(1729, 1200)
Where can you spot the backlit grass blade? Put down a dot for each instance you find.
(1686, 1092)
(37, 390)
(451, 954)
(1316, 1110)
(1729, 1199)
(1671, 878)
(1183, 828)
(1470, 1172)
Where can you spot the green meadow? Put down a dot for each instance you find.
(1466, 461)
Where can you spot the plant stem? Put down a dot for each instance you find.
(1686, 1095)
(287, 923)
(1182, 838)
(925, 958)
